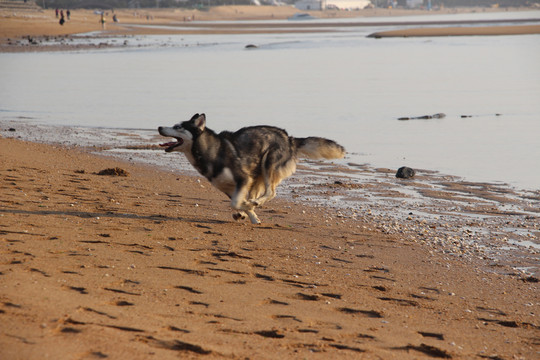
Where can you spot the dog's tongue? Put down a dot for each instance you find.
(168, 144)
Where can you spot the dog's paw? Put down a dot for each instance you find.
(253, 217)
(239, 216)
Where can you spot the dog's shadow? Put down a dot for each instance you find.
(87, 215)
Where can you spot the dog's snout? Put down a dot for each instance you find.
(160, 128)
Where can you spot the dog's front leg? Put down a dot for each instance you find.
(239, 202)
(241, 215)
(239, 198)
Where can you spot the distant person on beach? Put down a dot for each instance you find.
(56, 12)
(62, 20)
(115, 19)
(102, 20)
(68, 14)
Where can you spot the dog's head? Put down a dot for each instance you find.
(184, 133)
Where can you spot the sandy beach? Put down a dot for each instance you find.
(26, 30)
(144, 263)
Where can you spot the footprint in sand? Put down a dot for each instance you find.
(432, 335)
(427, 350)
(286, 317)
(119, 291)
(367, 313)
(275, 302)
(188, 289)
(173, 345)
(199, 303)
(402, 302)
(79, 289)
(122, 303)
(274, 334)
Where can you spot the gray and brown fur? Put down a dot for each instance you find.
(248, 164)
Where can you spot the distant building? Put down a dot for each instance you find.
(347, 4)
(415, 3)
(308, 4)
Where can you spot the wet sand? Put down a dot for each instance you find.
(461, 31)
(151, 264)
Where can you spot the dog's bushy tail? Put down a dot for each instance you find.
(318, 148)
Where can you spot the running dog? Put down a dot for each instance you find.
(247, 165)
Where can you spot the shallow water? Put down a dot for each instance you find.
(339, 84)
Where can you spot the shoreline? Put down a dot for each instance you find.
(152, 264)
(492, 224)
(33, 30)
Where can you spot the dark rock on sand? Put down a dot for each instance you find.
(405, 172)
(425, 117)
(470, 116)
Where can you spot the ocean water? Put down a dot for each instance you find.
(337, 84)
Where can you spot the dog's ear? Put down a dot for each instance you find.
(200, 122)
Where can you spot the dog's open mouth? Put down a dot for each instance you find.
(171, 145)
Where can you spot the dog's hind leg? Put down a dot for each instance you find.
(266, 189)
(265, 192)
(267, 173)
(272, 178)
(269, 194)
(253, 217)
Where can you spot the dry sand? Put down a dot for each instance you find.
(25, 30)
(150, 265)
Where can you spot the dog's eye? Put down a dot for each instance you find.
(177, 127)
